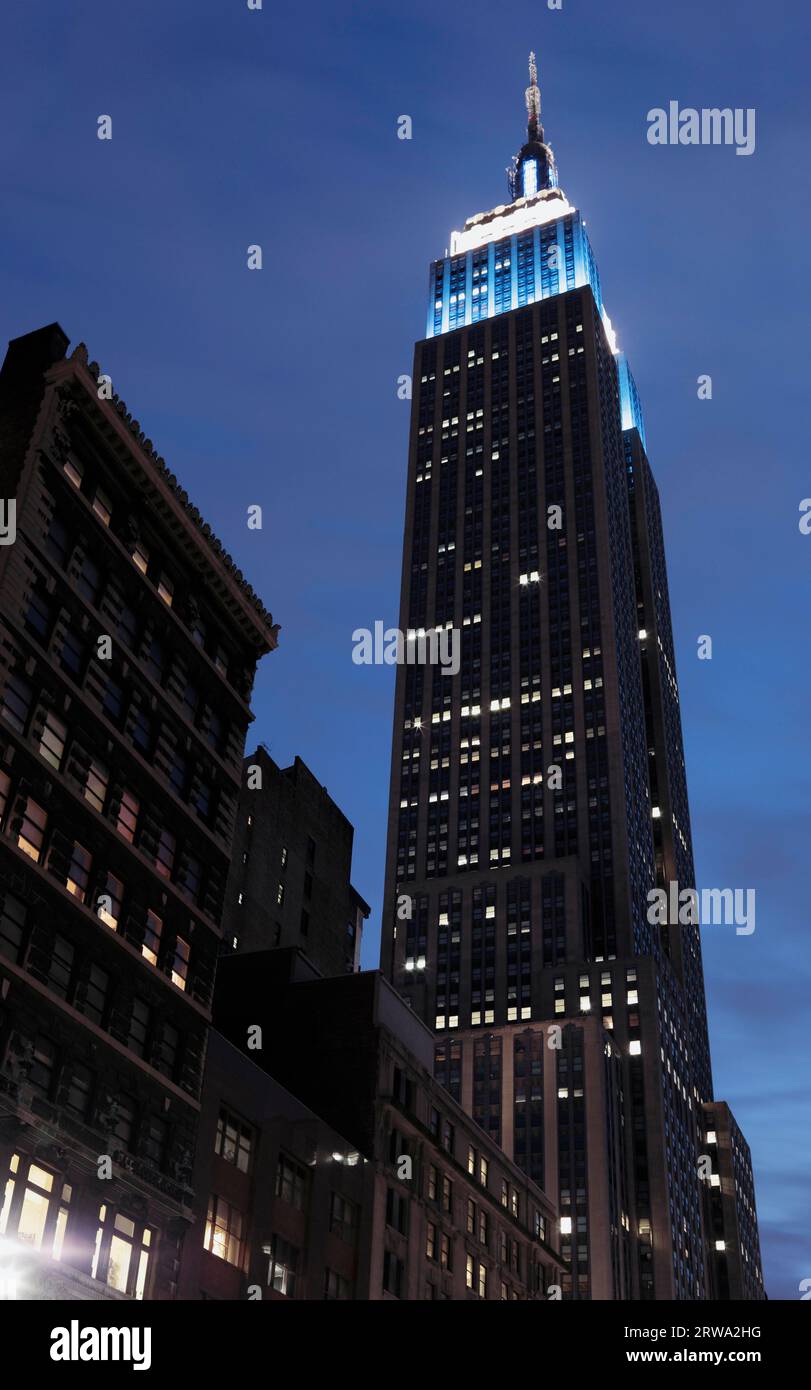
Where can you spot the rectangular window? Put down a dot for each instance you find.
(127, 821)
(138, 1035)
(169, 1047)
(342, 1216)
(393, 1270)
(52, 740)
(233, 1141)
(39, 616)
(72, 655)
(180, 963)
(280, 895)
(32, 831)
(150, 947)
(81, 862)
(60, 966)
(16, 703)
(471, 1216)
(56, 541)
(92, 1000)
(189, 882)
(89, 581)
(38, 1197)
(469, 1271)
(482, 1290)
(445, 1252)
(430, 1241)
(102, 506)
(156, 1132)
(335, 1286)
(95, 790)
(283, 1268)
(109, 901)
(43, 1066)
(79, 1091)
(291, 1182)
(140, 557)
(74, 469)
(141, 731)
(166, 590)
(165, 855)
(12, 928)
(124, 1123)
(447, 1193)
(483, 1231)
(397, 1211)
(113, 701)
(122, 1254)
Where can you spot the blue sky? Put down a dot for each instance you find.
(279, 128)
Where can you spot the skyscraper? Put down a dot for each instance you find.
(538, 796)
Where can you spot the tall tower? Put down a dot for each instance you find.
(538, 794)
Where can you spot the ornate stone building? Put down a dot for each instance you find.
(128, 647)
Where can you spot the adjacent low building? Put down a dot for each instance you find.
(332, 1164)
(290, 879)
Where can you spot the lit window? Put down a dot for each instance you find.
(166, 590)
(79, 872)
(74, 470)
(284, 1259)
(102, 506)
(635, 1048)
(180, 963)
(52, 740)
(233, 1141)
(95, 790)
(152, 937)
(223, 1233)
(140, 557)
(31, 836)
(112, 894)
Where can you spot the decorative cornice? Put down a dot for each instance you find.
(79, 359)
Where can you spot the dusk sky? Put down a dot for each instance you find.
(279, 127)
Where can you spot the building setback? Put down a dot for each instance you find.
(429, 1206)
(290, 879)
(539, 795)
(128, 647)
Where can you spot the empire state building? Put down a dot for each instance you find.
(538, 795)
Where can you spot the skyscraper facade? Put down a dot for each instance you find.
(128, 646)
(538, 796)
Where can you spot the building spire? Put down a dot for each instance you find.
(533, 100)
(533, 168)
